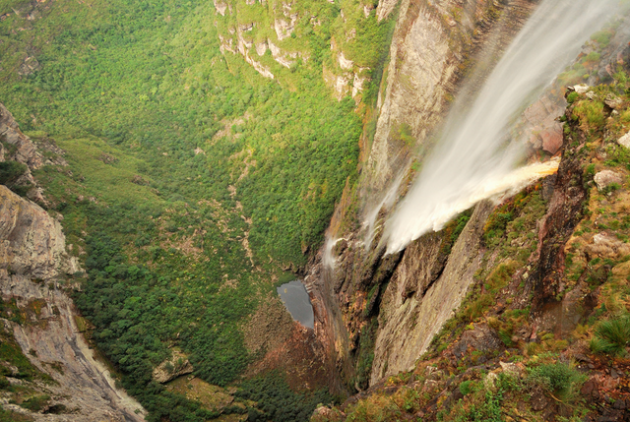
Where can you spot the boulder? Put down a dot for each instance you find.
(624, 141)
(511, 369)
(581, 89)
(552, 139)
(172, 368)
(480, 338)
(607, 246)
(605, 178)
(613, 102)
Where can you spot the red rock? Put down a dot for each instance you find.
(552, 138)
(590, 387)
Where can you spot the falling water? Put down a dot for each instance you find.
(475, 157)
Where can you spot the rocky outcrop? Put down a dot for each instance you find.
(25, 151)
(172, 368)
(274, 27)
(35, 270)
(15, 146)
(562, 217)
(32, 243)
(431, 50)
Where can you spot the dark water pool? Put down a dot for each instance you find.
(295, 298)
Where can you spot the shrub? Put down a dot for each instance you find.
(602, 37)
(589, 172)
(612, 336)
(466, 387)
(591, 112)
(611, 188)
(36, 403)
(558, 378)
(10, 171)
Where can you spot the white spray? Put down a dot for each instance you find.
(475, 157)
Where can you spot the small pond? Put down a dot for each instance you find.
(298, 303)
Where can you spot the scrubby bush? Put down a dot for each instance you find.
(559, 378)
(612, 336)
(10, 171)
(36, 403)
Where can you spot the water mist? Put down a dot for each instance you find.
(475, 155)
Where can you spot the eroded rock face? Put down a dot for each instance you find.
(32, 243)
(33, 265)
(428, 53)
(20, 148)
(407, 326)
(557, 226)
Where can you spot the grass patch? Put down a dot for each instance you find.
(612, 336)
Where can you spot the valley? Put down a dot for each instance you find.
(172, 174)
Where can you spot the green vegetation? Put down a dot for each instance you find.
(9, 416)
(453, 230)
(10, 172)
(488, 405)
(11, 353)
(365, 357)
(156, 88)
(277, 402)
(612, 336)
(36, 403)
(560, 379)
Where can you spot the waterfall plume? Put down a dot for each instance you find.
(476, 155)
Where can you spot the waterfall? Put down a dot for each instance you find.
(476, 156)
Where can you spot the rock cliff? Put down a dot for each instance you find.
(433, 47)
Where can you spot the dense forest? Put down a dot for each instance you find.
(193, 181)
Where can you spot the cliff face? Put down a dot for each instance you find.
(414, 308)
(277, 37)
(379, 314)
(433, 47)
(39, 316)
